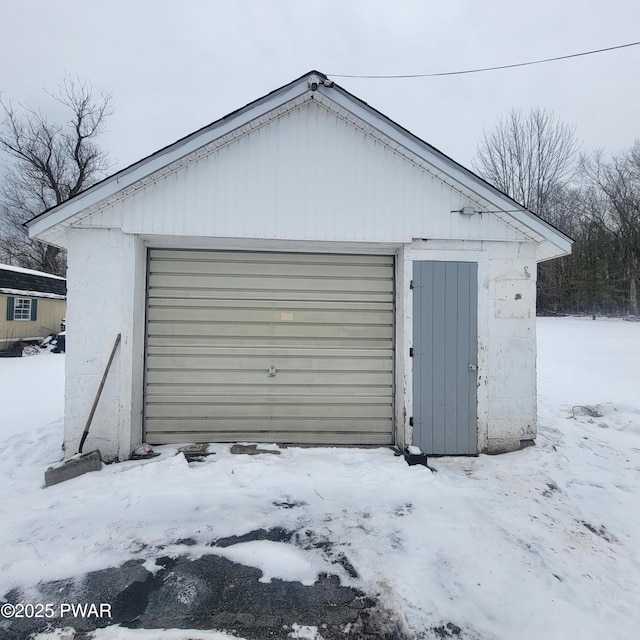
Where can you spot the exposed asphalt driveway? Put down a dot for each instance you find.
(209, 592)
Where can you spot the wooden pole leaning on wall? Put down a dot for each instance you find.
(99, 393)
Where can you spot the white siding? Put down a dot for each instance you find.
(305, 181)
(50, 313)
(506, 337)
(306, 175)
(106, 295)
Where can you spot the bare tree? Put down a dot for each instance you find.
(48, 163)
(529, 157)
(532, 158)
(617, 183)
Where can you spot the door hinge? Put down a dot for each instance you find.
(411, 285)
(411, 421)
(411, 352)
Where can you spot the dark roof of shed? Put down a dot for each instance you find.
(28, 280)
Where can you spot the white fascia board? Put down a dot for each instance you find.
(449, 167)
(165, 157)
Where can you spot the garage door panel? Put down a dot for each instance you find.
(234, 352)
(277, 305)
(179, 256)
(195, 293)
(326, 400)
(255, 282)
(219, 411)
(223, 363)
(247, 390)
(356, 426)
(269, 331)
(255, 342)
(276, 316)
(245, 394)
(317, 437)
(218, 321)
(204, 268)
(259, 378)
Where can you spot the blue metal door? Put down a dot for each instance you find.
(445, 348)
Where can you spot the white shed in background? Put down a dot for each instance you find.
(303, 270)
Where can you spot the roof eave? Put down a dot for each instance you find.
(128, 176)
(50, 228)
(470, 180)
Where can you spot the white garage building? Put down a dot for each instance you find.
(302, 271)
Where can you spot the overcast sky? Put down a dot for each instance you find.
(175, 66)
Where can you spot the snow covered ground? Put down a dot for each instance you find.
(541, 543)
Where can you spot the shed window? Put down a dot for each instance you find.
(21, 309)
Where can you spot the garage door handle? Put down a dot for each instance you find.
(272, 372)
(473, 367)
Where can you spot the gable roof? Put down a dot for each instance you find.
(30, 283)
(51, 225)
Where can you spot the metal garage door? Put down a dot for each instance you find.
(269, 347)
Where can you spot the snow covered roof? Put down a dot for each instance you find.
(10, 267)
(51, 225)
(30, 283)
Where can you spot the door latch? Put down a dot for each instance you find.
(473, 367)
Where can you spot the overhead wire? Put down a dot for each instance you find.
(483, 69)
